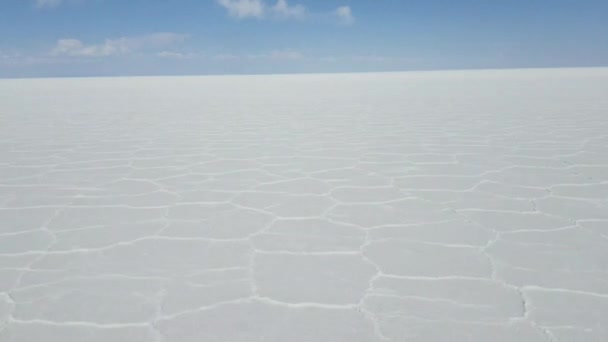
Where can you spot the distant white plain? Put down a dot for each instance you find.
(423, 206)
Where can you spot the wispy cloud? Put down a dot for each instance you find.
(376, 58)
(19, 59)
(244, 8)
(74, 47)
(368, 59)
(345, 15)
(116, 46)
(287, 54)
(7, 57)
(177, 55)
(47, 3)
(283, 10)
(226, 57)
(275, 55)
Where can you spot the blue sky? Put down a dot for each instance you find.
(41, 38)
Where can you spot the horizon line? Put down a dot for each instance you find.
(305, 73)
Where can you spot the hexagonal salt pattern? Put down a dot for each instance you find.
(430, 206)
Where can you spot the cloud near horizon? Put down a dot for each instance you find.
(284, 55)
(117, 46)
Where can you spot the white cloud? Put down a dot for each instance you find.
(47, 3)
(244, 8)
(284, 11)
(259, 9)
(345, 15)
(117, 46)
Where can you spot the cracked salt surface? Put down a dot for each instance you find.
(429, 206)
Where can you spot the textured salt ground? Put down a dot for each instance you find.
(431, 206)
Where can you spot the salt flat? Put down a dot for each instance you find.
(422, 206)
